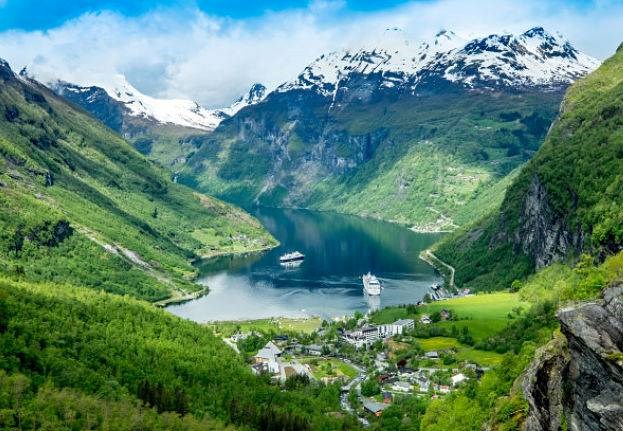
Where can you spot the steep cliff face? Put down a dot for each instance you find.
(543, 386)
(567, 200)
(542, 233)
(594, 379)
(577, 379)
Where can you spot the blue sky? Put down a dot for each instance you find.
(46, 14)
(213, 50)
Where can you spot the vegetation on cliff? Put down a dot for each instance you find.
(79, 204)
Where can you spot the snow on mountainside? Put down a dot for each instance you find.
(168, 111)
(180, 112)
(256, 94)
(535, 57)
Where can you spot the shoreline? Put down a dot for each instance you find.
(190, 296)
(429, 257)
(235, 253)
(181, 298)
(408, 225)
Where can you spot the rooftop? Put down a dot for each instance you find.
(373, 406)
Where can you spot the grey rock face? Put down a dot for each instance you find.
(542, 386)
(542, 233)
(582, 380)
(595, 374)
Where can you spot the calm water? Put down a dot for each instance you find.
(338, 249)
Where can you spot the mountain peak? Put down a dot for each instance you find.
(256, 94)
(6, 73)
(532, 58)
(536, 31)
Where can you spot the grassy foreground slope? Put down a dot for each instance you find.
(567, 200)
(70, 347)
(79, 204)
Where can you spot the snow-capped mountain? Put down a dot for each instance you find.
(179, 112)
(256, 94)
(116, 90)
(533, 58)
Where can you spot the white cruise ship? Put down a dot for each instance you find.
(371, 285)
(295, 256)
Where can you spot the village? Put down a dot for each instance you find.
(374, 364)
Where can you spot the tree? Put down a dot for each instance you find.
(370, 387)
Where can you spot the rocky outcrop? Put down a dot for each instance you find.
(6, 74)
(580, 384)
(543, 233)
(542, 386)
(594, 379)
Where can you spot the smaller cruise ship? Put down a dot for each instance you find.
(371, 284)
(295, 256)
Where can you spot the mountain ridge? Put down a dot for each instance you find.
(79, 204)
(368, 139)
(565, 202)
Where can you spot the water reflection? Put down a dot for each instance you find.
(338, 249)
(374, 302)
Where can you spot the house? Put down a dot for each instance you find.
(424, 385)
(273, 367)
(458, 379)
(387, 397)
(402, 386)
(425, 320)
(314, 349)
(431, 355)
(386, 330)
(403, 325)
(442, 389)
(268, 353)
(374, 407)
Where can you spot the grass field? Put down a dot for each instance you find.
(463, 353)
(483, 314)
(329, 368)
(266, 326)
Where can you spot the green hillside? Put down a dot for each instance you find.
(567, 200)
(73, 356)
(432, 161)
(79, 204)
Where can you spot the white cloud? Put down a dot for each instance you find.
(210, 59)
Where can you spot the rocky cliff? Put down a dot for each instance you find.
(566, 201)
(543, 233)
(576, 381)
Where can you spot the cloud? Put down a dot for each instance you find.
(187, 53)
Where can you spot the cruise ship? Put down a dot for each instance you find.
(371, 285)
(295, 256)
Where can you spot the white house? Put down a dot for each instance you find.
(425, 320)
(458, 379)
(402, 386)
(403, 325)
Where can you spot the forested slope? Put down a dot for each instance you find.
(79, 204)
(76, 350)
(567, 200)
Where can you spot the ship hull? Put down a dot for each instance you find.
(292, 259)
